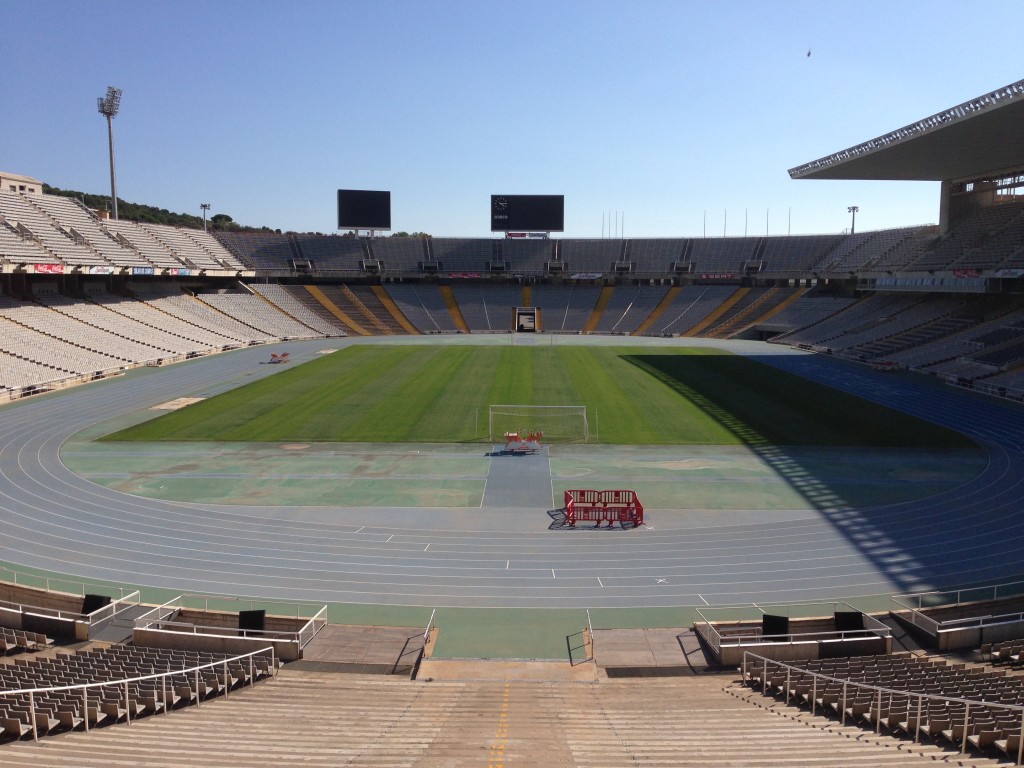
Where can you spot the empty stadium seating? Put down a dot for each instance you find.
(913, 696)
(115, 684)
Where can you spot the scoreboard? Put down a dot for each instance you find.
(364, 209)
(527, 213)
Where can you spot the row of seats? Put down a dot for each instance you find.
(46, 229)
(18, 640)
(51, 229)
(109, 698)
(916, 697)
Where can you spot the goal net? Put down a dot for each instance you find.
(559, 423)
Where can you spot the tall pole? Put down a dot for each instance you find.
(113, 174)
(108, 106)
(205, 207)
(852, 210)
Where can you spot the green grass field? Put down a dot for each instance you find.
(634, 396)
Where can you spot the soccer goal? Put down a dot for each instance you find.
(559, 423)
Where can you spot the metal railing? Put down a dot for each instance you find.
(49, 583)
(32, 693)
(590, 629)
(752, 660)
(914, 603)
(117, 605)
(159, 618)
(108, 611)
(751, 634)
(430, 625)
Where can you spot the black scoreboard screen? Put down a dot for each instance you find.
(364, 209)
(527, 213)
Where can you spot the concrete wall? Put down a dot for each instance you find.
(232, 645)
(58, 601)
(954, 639)
(51, 626)
(229, 620)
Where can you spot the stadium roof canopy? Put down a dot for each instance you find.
(981, 137)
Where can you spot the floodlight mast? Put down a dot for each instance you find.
(108, 106)
(853, 221)
(205, 207)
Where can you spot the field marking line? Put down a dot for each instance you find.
(360, 529)
(426, 548)
(507, 563)
(600, 582)
(483, 493)
(702, 598)
(389, 538)
(553, 574)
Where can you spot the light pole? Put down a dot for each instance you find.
(205, 207)
(108, 106)
(853, 222)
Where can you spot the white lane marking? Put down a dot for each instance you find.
(426, 548)
(389, 538)
(360, 529)
(702, 598)
(600, 582)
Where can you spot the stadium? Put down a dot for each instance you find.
(366, 457)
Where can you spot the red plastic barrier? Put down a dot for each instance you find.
(603, 506)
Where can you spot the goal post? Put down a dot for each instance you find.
(559, 423)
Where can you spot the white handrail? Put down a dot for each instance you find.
(159, 614)
(126, 682)
(879, 690)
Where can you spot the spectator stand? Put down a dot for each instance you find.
(59, 608)
(118, 685)
(964, 618)
(793, 631)
(911, 697)
(230, 625)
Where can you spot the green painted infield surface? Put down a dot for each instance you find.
(741, 478)
(633, 395)
(418, 475)
(289, 474)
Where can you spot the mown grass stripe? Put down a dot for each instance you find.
(635, 396)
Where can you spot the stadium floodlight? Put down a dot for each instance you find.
(853, 222)
(205, 207)
(108, 106)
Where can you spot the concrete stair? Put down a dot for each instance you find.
(322, 719)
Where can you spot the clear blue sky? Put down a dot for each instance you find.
(658, 110)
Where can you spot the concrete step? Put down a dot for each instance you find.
(319, 719)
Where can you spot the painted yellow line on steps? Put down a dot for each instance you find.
(453, 308)
(394, 310)
(652, 318)
(599, 308)
(724, 307)
(331, 307)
